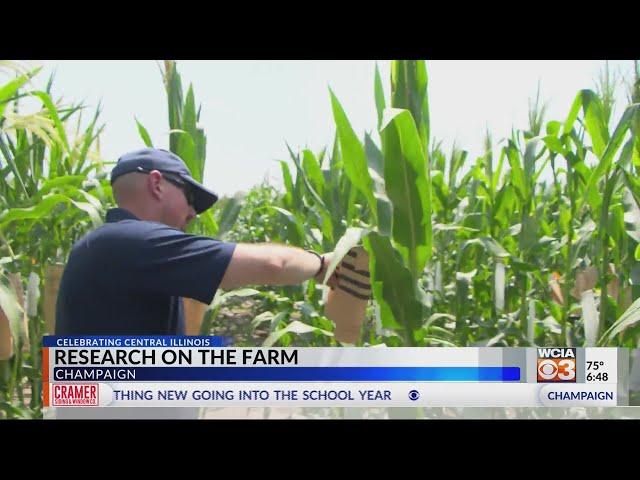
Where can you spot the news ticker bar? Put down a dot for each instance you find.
(454, 376)
(397, 394)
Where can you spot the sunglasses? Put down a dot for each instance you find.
(175, 179)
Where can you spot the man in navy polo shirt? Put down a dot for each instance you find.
(128, 276)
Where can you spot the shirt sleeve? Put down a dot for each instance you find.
(171, 262)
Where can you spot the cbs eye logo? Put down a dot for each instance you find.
(556, 365)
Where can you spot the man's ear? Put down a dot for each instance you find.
(154, 184)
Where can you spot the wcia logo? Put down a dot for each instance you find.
(414, 395)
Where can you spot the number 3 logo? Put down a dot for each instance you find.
(566, 370)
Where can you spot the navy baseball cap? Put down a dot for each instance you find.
(149, 159)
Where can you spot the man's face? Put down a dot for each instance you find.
(177, 212)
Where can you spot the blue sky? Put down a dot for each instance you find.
(251, 108)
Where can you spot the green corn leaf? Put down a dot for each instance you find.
(32, 213)
(439, 341)
(517, 173)
(53, 112)
(313, 172)
(288, 184)
(629, 318)
(353, 155)
(302, 174)
(497, 174)
(229, 214)
(87, 196)
(438, 158)
(595, 121)
(554, 145)
(440, 189)
(299, 189)
(321, 156)
(616, 225)
(327, 224)
(408, 187)
(189, 113)
(379, 96)
(528, 237)
(90, 210)
(437, 316)
(185, 148)
(189, 119)
(144, 134)
(201, 150)
(494, 247)
(376, 170)
(504, 205)
(553, 128)
(458, 158)
(349, 197)
(61, 182)
(489, 342)
(573, 115)
(8, 90)
(296, 327)
(612, 147)
(44, 207)
(393, 286)
(409, 83)
(375, 160)
(439, 227)
(530, 157)
(208, 223)
(631, 204)
(89, 139)
(295, 230)
(173, 85)
(240, 293)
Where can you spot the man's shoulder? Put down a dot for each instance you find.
(132, 230)
(124, 237)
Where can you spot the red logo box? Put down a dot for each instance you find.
(75, 395)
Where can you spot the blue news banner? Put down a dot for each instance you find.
(159, 371)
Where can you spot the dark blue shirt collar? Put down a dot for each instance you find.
(119, 214)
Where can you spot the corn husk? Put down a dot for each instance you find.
(16, 284)
(586, 280)
(499, 286)
(6, 336)
(325, 294)
(438, 278)
(378, 320)
(531, 324)
(6, 339)
(347, 303)
(556, 290)
(33, 295)
(589, 318)
(193, 315)
(52, 277)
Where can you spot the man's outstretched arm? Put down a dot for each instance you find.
(272, 264)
